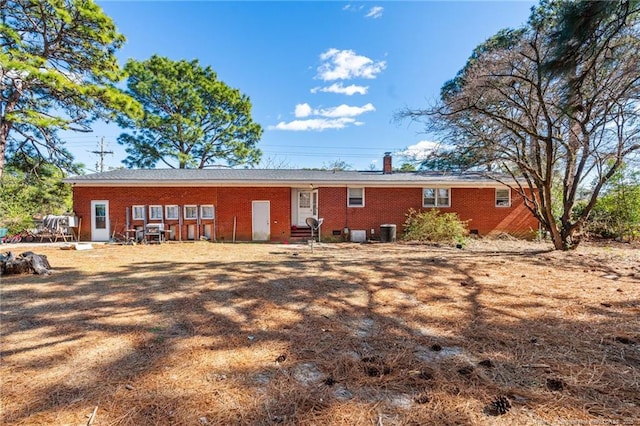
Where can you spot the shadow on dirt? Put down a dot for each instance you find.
(384, 336)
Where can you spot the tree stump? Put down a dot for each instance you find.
(26, 263)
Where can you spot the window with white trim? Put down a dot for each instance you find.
(304, 199)
(137, 213)
(190, 212)
(503, 197)
(355, 197)
(436, 197)
(206, 212)
(155, 212)
(171, 212)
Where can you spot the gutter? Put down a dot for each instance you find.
(286, 184)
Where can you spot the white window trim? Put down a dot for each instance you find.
(202, 216)
(133, 212)
(508, 200)
(158, 207)
(166, 212)
(435, 189)
(355, 205)
(185, 212)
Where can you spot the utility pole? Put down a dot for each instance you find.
(101, 153)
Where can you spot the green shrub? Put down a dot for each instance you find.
(23, 196)
(617, 212)
(431, 225)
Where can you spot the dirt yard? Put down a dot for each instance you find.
(498, 333)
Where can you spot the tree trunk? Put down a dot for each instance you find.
(27, 262)
(557, 236)
(4, 132)
(572, 172)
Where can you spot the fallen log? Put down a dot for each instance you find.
(26, 263)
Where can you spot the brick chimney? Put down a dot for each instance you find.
(387, 169)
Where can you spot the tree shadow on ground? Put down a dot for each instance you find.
(391, 336)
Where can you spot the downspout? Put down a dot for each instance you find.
(346, 215)
(180, 223)
(128, 222)
(198, 222)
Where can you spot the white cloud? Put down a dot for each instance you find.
(317, 124)
(346, 64)
(344, 111)
(352, 8)
(303, 110)
(340, 89)
(421, 150)
(337, 117)
(375, 12)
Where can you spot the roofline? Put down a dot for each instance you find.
(283, 183)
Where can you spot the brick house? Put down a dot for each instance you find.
(273, 205)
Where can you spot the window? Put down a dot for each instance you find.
(443, 197)
(503, 197)
(305, 200)
(190, 212)
(355, 197)
(206, 212)
(436, 197)
(100, 214)
(155, 212)
(138, 213)
(171, 212)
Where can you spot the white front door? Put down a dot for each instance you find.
(261, 221)
(307, 206)
(100, 221)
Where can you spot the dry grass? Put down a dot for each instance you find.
(188, 334)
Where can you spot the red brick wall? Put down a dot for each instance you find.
(382, 206)
(390, 205)
(237, 202)
(228, 202)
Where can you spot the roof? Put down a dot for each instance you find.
(278, 177)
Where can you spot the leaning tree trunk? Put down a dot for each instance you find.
(548, 219)
(556, 237)
(10, 102)
(573, 171)
(4, 132)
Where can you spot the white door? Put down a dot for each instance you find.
(261, 221)
(100, 221)
(307, 206)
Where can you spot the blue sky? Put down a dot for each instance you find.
(324, 78)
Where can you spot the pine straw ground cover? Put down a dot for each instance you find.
(504, 333)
